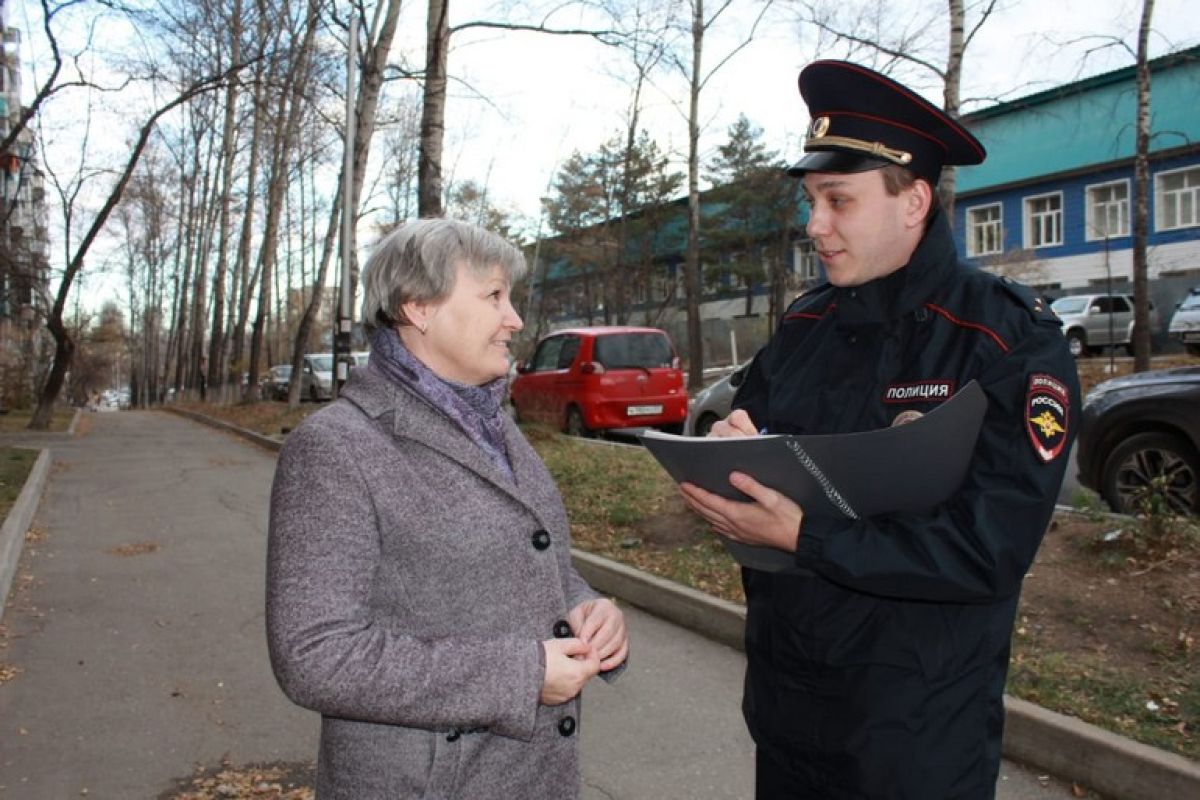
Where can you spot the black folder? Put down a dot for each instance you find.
(910, 467)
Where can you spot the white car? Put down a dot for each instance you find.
(1185, 324)
(316, 380)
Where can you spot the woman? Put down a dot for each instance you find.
(420, 593)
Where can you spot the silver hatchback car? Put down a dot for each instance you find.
(713, 403)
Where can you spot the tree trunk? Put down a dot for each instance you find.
(1141, 180)
(691, 269)
(197, 372)
(243, 278)
(290, 104)
(370, 85)
(216, 338)
(433, 111)
(314, 302)
(951, 99)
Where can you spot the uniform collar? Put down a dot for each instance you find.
(906, 289)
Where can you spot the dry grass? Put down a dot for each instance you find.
(15, 464)
(18, 419)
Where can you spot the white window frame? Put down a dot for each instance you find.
(1121, 207)
(807, 262)
(996, 227)
(1190, 192)
(1029, 219)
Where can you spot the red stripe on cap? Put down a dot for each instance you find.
(889, 123)
(971, 325)
(916, 98)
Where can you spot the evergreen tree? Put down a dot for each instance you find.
(754, 210)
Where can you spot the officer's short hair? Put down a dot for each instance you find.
(418, 261)
(897, 178)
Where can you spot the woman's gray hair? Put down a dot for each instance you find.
(418, 261)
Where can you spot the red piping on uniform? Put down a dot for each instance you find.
(972, 325)
(809, 314)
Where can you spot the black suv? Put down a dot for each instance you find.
(1140, 436)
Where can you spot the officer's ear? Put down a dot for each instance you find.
(918, 197)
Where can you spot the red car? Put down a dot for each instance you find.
(582, 380)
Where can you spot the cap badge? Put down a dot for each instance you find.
(819, 127)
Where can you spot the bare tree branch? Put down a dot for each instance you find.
(602, 36)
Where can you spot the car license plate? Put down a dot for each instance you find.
(642, 411)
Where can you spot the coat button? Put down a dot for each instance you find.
(562, 629)
(566, 726)
(541, 540)
(453, 735)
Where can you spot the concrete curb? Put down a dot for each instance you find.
(1114, 766)
(712, 617)
(257, 438)
(16, 524)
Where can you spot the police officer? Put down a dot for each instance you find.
(876, 664)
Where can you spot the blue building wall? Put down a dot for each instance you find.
(1075, 223)
(1076, 136)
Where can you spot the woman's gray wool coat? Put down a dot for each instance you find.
(410, 583)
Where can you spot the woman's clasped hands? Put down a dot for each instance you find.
(600, 643)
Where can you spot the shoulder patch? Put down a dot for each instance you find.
(1046, 405)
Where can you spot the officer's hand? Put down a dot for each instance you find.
(570, 664)
(772, 519)
(738, 423)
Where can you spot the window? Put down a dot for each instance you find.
(1043, 220)
(633, 350)
(1111, 305)
(639, 297)
(547, 355)
(1107, 210)
(570, 349)
(808, 263)
(1177, 196)
(985, 231)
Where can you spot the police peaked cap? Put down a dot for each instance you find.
(862, 120)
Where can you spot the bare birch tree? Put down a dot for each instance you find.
(697, 77)
(1141, 193)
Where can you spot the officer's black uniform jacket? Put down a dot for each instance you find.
(876, 668)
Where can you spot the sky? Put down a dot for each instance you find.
(521, 103)
(551, 95)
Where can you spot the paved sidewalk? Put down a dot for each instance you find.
(141, 641)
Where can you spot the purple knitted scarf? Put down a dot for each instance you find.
(475, 409)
